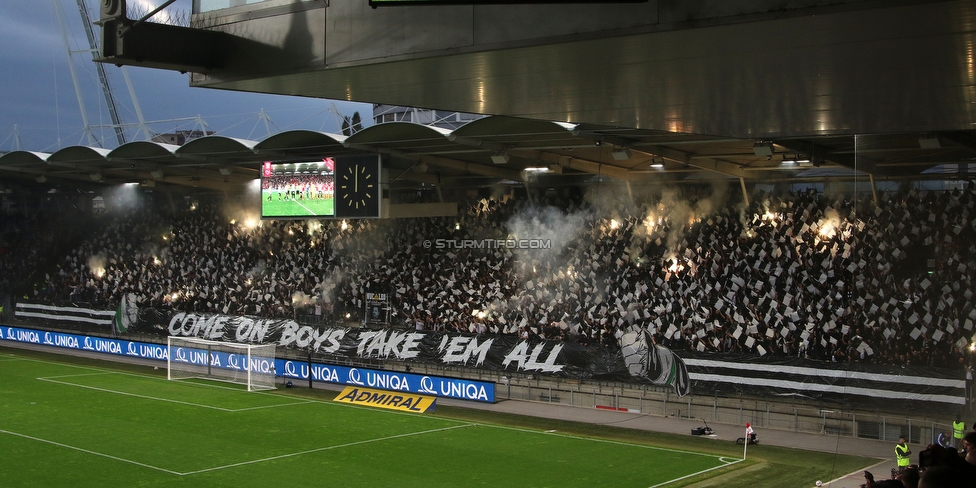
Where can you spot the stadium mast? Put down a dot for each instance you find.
(103, 79)
(100, 69)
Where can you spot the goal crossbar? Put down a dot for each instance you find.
(252, 365)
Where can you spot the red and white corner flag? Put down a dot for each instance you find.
(745, 445)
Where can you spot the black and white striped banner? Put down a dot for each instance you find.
(76, 315)
(835, 382)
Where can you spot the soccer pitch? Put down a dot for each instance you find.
(69, 424)
(278, 206)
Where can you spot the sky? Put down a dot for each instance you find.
(39, 107)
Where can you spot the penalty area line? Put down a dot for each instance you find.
(145, 397)
(52, 378)
(247, 409)
(88, 451)
(158, 399)
(328, 448)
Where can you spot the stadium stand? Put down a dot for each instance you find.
(799, 274)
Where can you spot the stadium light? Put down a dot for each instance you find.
(620, 154)
(929, 142)
(763, 149)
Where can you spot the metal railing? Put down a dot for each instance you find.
(759, 412)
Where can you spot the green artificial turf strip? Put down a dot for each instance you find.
(293, 208)
(137, 429)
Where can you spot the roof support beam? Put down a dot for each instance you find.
(478, 169)
(410, 175)
(708, 164)
(704, 163)
(851, 161)
(584, 165)
(960, 139)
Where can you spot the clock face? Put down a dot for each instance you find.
(357, 187)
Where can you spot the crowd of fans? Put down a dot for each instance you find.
(836, 279)
(26, 242)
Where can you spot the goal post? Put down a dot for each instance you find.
(252, 365)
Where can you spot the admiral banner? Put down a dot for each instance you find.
(637, 360)
(386, 399)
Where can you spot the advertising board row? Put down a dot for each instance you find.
(636, 358)
(440, 386)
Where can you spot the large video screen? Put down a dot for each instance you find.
(298, 190)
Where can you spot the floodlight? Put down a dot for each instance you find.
(620, 154)
(763, 148)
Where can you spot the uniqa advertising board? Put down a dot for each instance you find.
(444, 387)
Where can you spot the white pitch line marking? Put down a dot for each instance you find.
(102, 373)
(852, 473)
(320, 449)
(606, 441)
(88, 451)
(147, 397)
(698, 473)
(272, 406)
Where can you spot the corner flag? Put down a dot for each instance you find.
(745, 445)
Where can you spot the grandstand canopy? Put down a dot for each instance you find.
(656, 91)
(498, 149)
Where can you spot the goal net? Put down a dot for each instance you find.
(246, 364)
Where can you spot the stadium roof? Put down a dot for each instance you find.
(494, 149)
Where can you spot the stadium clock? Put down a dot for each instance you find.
(357, 187)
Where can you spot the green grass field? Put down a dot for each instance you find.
(293, 208)
(67, 421)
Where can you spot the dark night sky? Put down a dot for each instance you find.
(37, 94)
